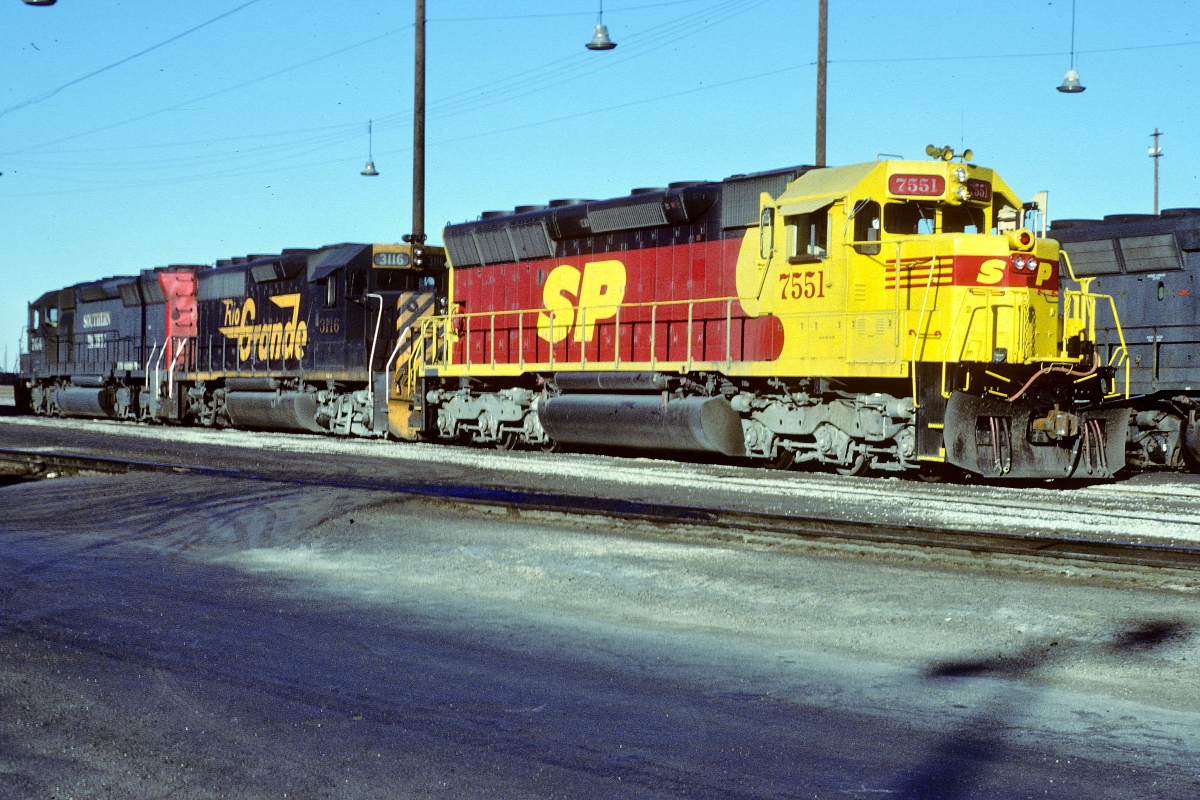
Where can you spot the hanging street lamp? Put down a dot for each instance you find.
(1070, 84)
(600, 40)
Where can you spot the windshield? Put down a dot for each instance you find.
(919, 217)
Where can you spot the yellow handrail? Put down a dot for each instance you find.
(1081, 305)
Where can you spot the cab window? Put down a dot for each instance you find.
(962, 219)
(1005, 215)
(807, 236)
(331, 293)
(866, 227)
(766, 225)
(356, 283)
(911, 218)
(52, 315)
(393, 280)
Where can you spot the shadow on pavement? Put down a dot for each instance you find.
(956, 764)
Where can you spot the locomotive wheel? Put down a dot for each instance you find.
(859, 466)
(550, 446)
(783, 459)
(1190, 446)
(508, 441)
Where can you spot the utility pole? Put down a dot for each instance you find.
(1156, 154)
(417, 237)
(822, 41)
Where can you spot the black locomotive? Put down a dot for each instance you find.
(1148, 264)
(310, 342)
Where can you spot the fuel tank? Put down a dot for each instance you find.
(86, 401)
(276, 411)
(644, 422)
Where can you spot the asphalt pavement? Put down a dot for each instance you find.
(194, 637)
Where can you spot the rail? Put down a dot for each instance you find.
(824, 530)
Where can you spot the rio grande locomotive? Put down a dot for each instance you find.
(303, 340)
(892, 316)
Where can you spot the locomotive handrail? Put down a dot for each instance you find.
(1082, 303)
(404, 335)
(370, 358)
(450, 322)
(158, 365)
(1119, 357)
(918, 328)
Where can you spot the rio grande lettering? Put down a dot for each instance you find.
(268, 339)
(584, 296)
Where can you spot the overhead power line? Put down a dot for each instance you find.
(126, 60)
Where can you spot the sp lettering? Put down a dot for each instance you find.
(576, 299)
(992, 271)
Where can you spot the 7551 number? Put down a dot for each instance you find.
(798, 285)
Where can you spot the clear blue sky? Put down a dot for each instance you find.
(244, 127)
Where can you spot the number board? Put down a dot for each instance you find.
(391, 259)
(980, 190)
(923, 185)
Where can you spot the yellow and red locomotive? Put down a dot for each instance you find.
(892, 315)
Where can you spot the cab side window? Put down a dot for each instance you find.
(807, 236)
(766, 233)
(356, 283)
(866, 227)
(331, 293)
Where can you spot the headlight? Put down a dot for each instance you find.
(960, 175)
(963, 193)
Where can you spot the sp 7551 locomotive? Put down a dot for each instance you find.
(890, 316)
